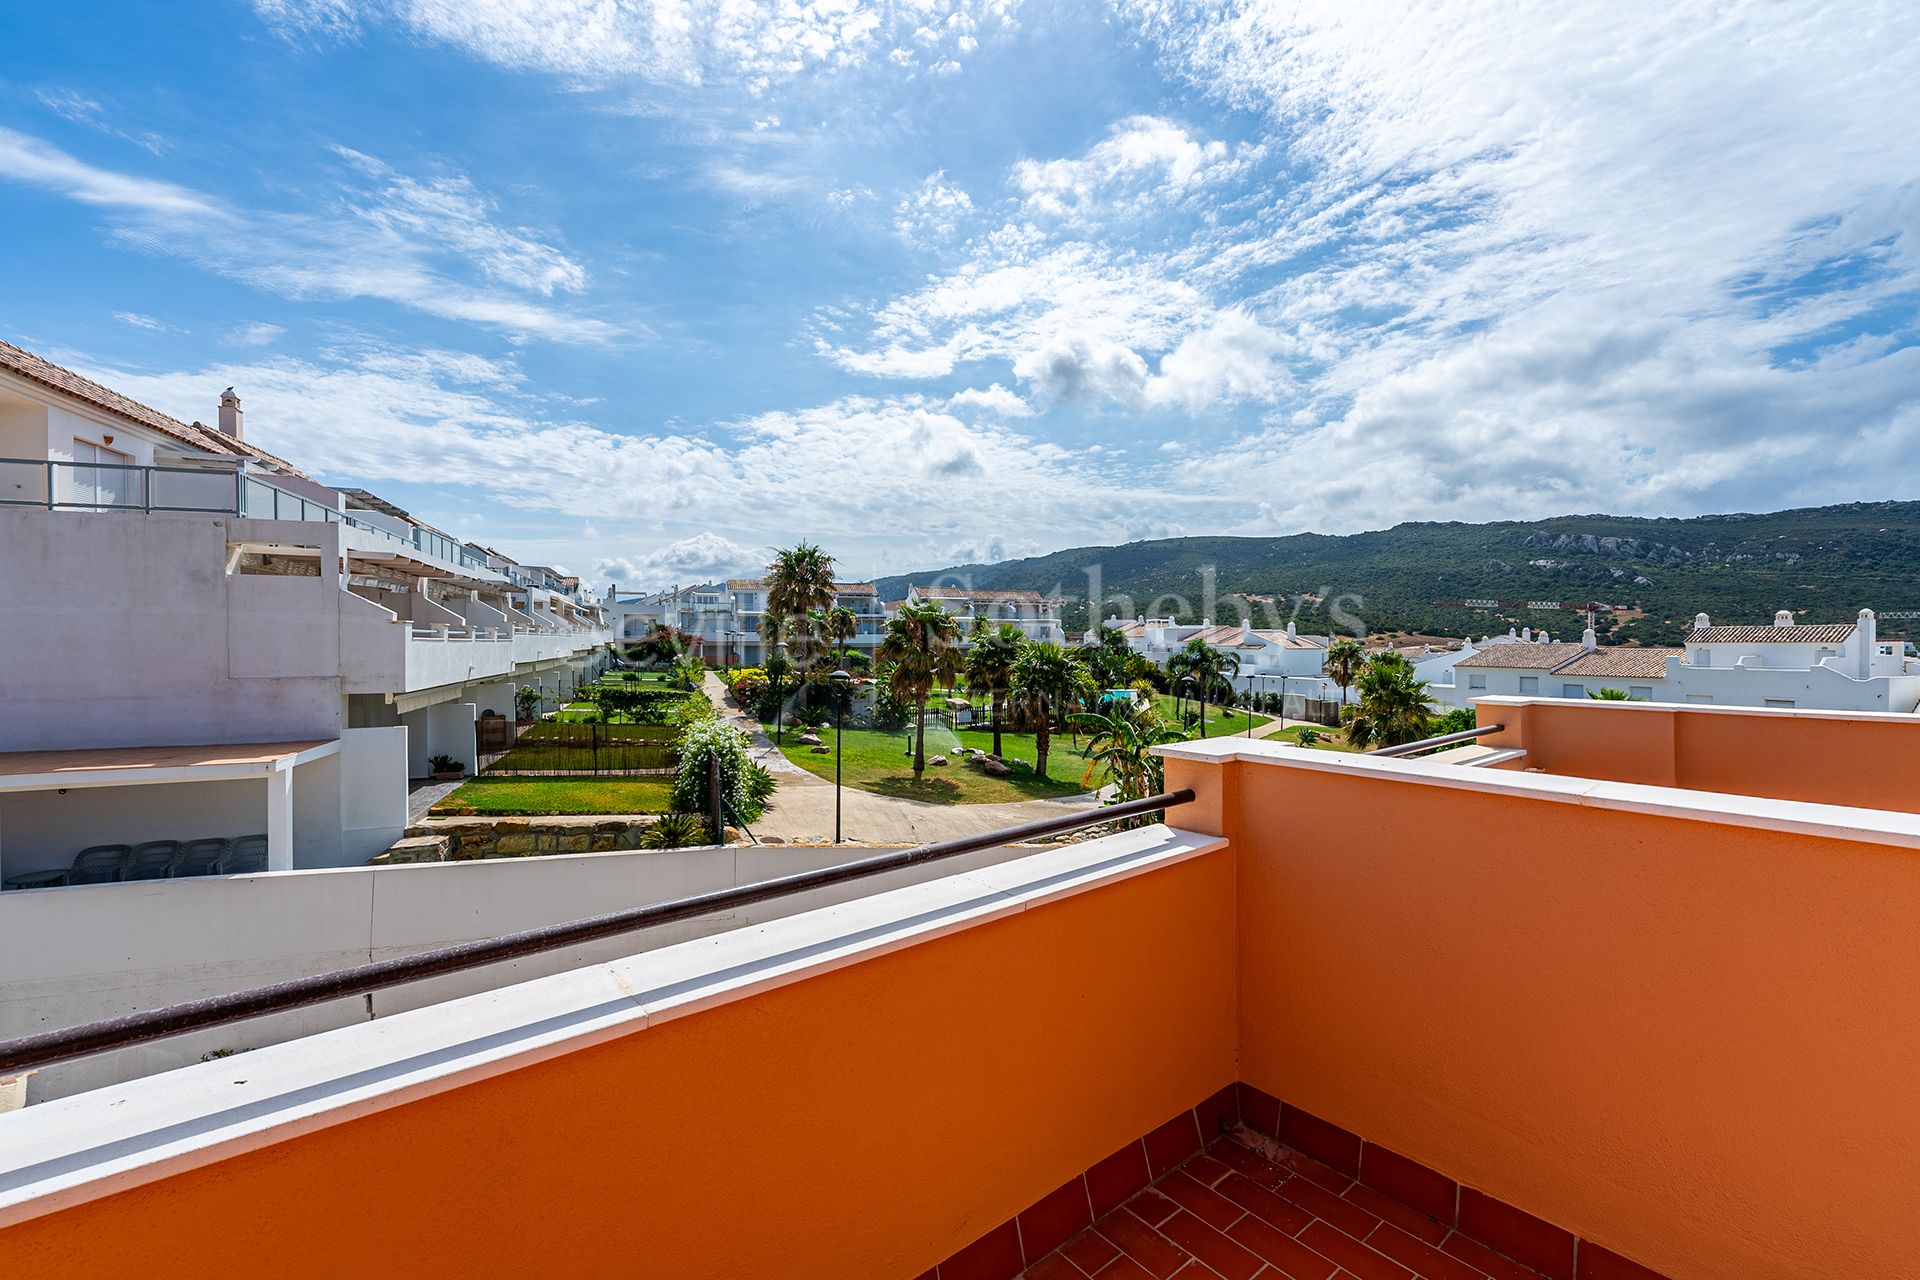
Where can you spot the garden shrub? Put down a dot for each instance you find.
(744, 785)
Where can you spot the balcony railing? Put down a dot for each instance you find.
(103, 486)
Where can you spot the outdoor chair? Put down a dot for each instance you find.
(201, 857)
(99, 864)
(244, 854)
(152, 860)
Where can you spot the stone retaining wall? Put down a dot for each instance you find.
(467, 839)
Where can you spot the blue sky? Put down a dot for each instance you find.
(644, 290)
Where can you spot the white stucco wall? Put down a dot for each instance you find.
(74, 955)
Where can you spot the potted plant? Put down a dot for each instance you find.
(446, 768)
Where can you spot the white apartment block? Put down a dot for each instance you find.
(739, 640)
(1282, 662)
(201, 642)
(1826, 667)
(1030, 611)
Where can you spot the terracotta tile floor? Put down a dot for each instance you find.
(1246, 1208)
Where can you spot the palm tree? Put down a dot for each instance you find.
(1611, 695)
(1047, 681)
(840, 625)
(1208, 668)
(1345, 657)
(799, 581)
(1392, 707)
(1123, 741)
(923, 644)
(990, 667)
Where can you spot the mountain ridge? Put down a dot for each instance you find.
(1822, 562)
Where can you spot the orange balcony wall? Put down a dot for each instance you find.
(1866, 759)
(865, 1118)
(1667, 1027)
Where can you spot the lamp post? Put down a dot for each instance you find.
(779, 703)
(843, 689)
(1188, 682)
(1252, 698)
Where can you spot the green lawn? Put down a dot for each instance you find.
(488, 796)
(1221, 721)
(1330, 739)
(878, 762)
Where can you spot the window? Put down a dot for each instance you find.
(1699, 697)
(1779, 702)
(1640, 692)
(1529, 684)
(1573, 691)
(1477, 680)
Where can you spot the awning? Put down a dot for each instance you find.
(136, 766)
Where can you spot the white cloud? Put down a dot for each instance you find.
(687, 42)
(1078, 367)
(80, 108)
(257, 334)
(932, 213)
(1143, 158)
(407, 242)
(139, 321)
(704, 557)
(994, 399)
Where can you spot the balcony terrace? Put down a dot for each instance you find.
(1436, 1016)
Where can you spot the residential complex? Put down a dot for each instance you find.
(1034, 614)
(1282, 661)
(1286, 1033)
(205, 643)
(1835, 667)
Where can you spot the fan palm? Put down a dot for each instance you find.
(841, 625)
(922, 642)
(990, 662)
(799, 581)
(1047, 682)
(1611, 695)
(1345, 657)
(1393, 704)
(1123, 743)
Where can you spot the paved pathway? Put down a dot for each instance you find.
(802, 808)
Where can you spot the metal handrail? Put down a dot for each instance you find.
(1444, 740)
(28, 1053)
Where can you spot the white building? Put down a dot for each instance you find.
(202, 642)
(740, 644)
(1828, 667)
(1030, 611)
(1271, 661)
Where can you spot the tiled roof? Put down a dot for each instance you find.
(48, 374)
(1525, 657)
(839, 588)
(1622, 660)
(1295, 641)
(1835, 633)
(979, 597)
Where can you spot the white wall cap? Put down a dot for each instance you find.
(1829, 821)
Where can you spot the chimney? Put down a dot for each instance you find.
(1868, 638)
(1291, 633)
(1526, 635)
(1701, 622)
(1784, 618)
(1589, 640)
(1246, 631)
(232, 420)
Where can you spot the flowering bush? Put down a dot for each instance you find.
(744, 785)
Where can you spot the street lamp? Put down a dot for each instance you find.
(1188, 682)
(842, 686)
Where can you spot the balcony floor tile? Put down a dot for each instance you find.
(1255, 1210)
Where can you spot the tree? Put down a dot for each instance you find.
(990, 668)
(1123, 742)
(1611, 695)
(1209, 668)
(923, 644)
(1046, 682)
(799, 583)
(1345, 657)
(1109, 658)
(840, 626)
(1393, 704)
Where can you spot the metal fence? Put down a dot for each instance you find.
(554, 747)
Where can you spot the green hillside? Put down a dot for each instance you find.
(1824, 563)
